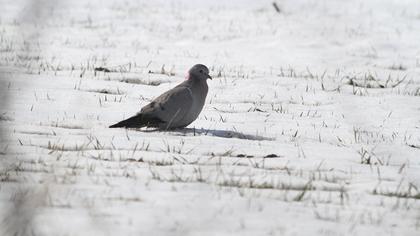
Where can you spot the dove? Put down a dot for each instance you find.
(176, 108)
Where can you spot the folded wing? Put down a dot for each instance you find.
(165, 111)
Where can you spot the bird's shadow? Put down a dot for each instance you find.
(215, 133)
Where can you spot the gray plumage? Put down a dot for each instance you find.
(175, 108)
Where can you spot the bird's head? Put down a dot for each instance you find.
(200, 72)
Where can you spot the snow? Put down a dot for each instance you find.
(311, 125)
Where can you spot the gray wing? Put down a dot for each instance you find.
(171, 106)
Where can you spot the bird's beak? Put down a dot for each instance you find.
(208, 76)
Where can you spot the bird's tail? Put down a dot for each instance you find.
(137, 121)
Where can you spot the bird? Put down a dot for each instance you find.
(176, 108)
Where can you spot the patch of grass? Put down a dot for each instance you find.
(371, 81)
(412, 192)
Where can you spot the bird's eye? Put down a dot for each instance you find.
(201, 71)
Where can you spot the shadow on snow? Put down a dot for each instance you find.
(215, 133)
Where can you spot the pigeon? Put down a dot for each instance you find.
(176, 108)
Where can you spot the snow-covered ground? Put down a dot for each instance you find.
(311, 125)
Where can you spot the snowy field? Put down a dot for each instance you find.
(311, 125)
